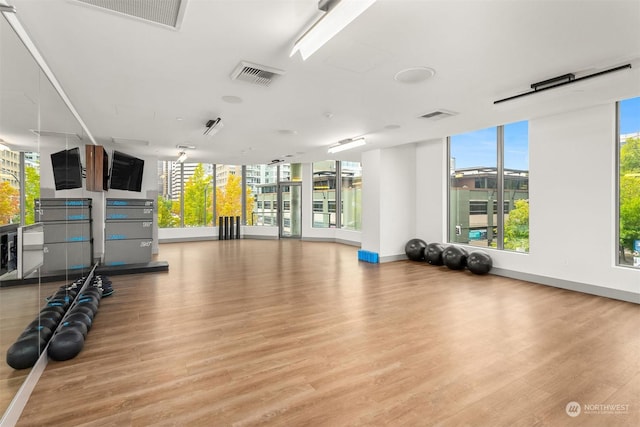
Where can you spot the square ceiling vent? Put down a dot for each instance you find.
(438, 115)
(260, 75)
(164, 12)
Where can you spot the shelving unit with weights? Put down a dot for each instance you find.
(128, 231)
(68, 239)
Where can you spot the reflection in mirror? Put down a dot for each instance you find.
(34, 123)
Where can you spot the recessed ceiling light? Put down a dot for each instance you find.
(288, 155)
(231, 99)
(179, 119)
(287, 132)
(391, 127)
(414, 75)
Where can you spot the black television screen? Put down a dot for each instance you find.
(67, 169)
(126, 172)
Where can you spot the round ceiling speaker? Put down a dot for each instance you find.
(414, 75)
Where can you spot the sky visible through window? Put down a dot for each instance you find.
(630, 116)
(478, 148)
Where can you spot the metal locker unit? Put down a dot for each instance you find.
(128, 231)
(68, 238)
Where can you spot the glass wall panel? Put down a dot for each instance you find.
(473, 188)
(262, 195)
(516, 186)
(351, 195)
(185, 194)
(9, 187)
(629, 182)
(229, 191)
(324, 194)
(198, 194)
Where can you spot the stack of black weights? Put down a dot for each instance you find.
(62, 323)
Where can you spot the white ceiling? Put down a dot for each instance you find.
(132, 79)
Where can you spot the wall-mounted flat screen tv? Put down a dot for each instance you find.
(126, 172)
(67, 169)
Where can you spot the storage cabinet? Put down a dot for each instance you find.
(68, 239)
(128, 231)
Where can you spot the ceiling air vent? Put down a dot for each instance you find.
(164, 12)
(257, 74)
(438, 114)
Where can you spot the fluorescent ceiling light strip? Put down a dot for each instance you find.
(347, 145)
(10, 15)
(334, 21)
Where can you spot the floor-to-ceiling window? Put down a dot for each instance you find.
(473, 187)
(324, 194)
(262, 193)
(228, 181)
(185, 194)
(489, 187)
(516, 186)
(351, 196)
(629, 182)
(19, 186)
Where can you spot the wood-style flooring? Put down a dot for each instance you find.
(290, 333)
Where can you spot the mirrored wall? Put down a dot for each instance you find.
(34, 124)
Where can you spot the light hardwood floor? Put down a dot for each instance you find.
(294, 333)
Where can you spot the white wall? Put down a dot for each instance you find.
(431, 187)
(371, 200)
(572, 204)
(388, 200)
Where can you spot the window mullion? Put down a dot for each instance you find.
(500, 185)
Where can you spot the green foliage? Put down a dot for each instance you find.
(9, 203)
(250, 205)
(198, 199)
(630, 192)
(630, 156)
(516, 227)
(228, 201)
(32, 192)
(166, 218)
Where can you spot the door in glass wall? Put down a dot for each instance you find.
(290, 195)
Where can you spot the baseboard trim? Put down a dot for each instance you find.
(570, 285)
(186, 239)
(391, 258)
(259, 237)
(331, 240)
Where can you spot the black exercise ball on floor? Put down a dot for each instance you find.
(433, 253)
(25, 352)
(479, 262)
(415, 249)
(455, 258)
(66, 344)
